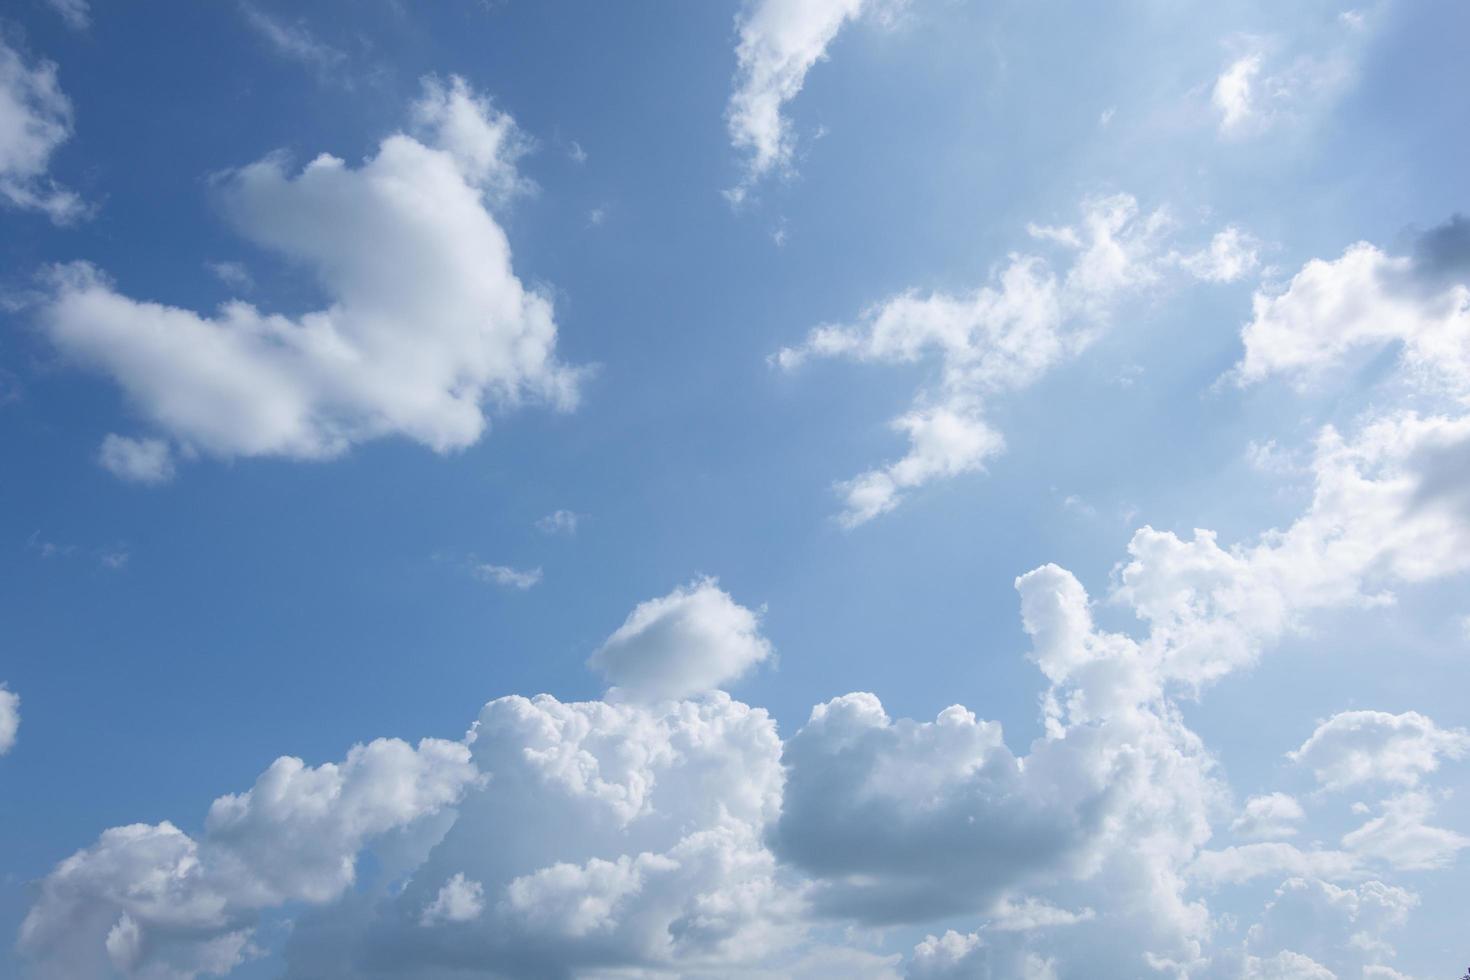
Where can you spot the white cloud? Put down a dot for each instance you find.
(460, 900)
(427, 322)
(138, 460)
(1270, 859)
(956, 956)
(153, 901)
(1268, 84)
(1000, 338)
(1337, 931)
(1234, 92)
(1355, 747)
(1232, 254)
(780, 41)
(1401, 836)
(511, 578)
(233, 274)
(35, 119)
(606, 837)
(694, 639)
(559, 522)
(9, 718)
(76, 13)
(1268, 817)
(1364, 300)
(293, 41)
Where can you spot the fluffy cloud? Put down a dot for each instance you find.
(9, 718)
(780, 41)
(138, 460)
(460, 900)
(1402, 837)
(606, 837)
(897, 820)
(956, 956)
(1367, 300)
(1001, 337)
(506, 576)
(35, 119)
(152, 901)
(1388, 507)
(1354, 747)
(427, 323)
(1268, 817)
(693, 639)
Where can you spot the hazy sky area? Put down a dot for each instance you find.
(810, 489)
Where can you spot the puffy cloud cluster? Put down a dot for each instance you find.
(427, 321)
(1355, 747)
(153, 901)
(1268, 817)
(35, 119)
(1003, 336)
(1366, 300)
(694, 639)
(605, 837)
(9, 718)
(780, 41)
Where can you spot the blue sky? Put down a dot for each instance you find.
(1103, 372)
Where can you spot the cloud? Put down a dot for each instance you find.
(1000, 338)
(232, 274)
(780, 41)
(427, 323)
(1268, 85)
(511, 578)
(1231, 255)
(292, 41)
(151, 900)
(956, 956)
(1402, 837)
(1318, 929)
(460, 900)
(559, 522)
(76, 13)
(694, 639)
(1356, 747)
(137, 460)
(35, 119)
(9, 718)
(1365, 301)
(1269, 817)
(606, 837)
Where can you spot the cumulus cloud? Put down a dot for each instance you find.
(1268, 817)
(780, 41)
(504, 575)
(694, 639)
(559, 522)
(137, 460)
(35, 119)
(460, 900)
(1356, 747)
(427, 325)
(1000, 338)
(1402, 837)
(1364, 301)
(957, 956)
(9, 718)
(151, 900)
(606, 837)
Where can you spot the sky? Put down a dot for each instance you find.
(786, 488)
